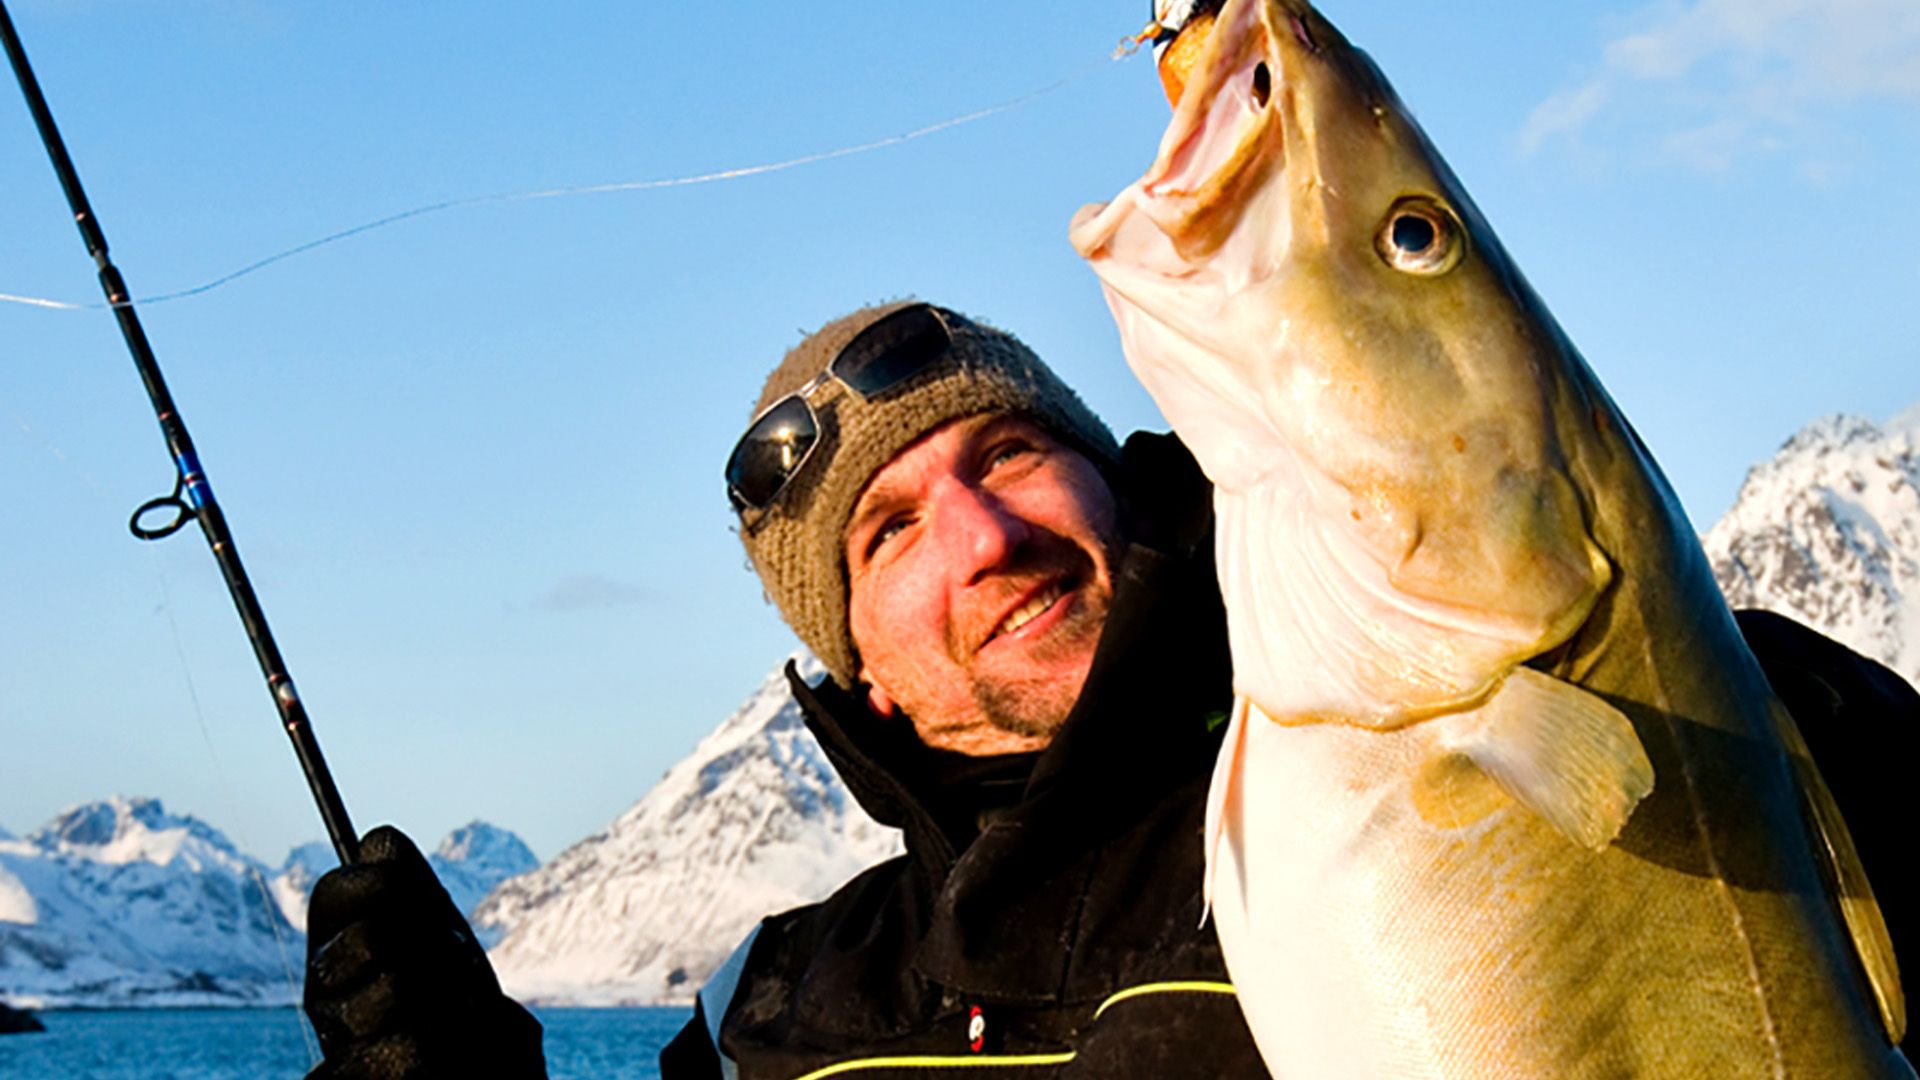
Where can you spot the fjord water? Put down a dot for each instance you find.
(267, 1044)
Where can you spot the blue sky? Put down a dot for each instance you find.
(472, 459)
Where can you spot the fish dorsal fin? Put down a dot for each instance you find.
(1846, 879)
(1561, 752)
(1220, 796)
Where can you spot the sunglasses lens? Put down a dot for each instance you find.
(771, 451)
(892, 351)
(879, 358)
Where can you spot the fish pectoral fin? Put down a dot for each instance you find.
(1220, 795)
(1561, 752)
(1846, 879)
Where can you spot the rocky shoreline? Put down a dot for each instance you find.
(13, 1021)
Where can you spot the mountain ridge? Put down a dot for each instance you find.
(753, 821)
(123, 903)
(1827, 532)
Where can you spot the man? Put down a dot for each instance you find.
(1026, 651)
(1027, 664)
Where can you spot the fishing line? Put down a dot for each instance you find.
(224, 781)
(27, 429)
(274, 915)
(736, 173)
(35, 301)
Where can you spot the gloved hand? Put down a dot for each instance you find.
(397, 986)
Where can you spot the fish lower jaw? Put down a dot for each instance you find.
(1094, 225)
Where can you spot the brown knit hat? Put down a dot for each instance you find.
(797, 544)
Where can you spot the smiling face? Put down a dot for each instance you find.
(979, 566)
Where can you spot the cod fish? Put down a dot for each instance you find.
(1504, 794)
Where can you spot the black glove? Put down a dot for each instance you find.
(397, 986)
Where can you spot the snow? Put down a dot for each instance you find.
(120, 903)
(473, 860)
(1828, 532)
(16, 901)
(752, 822)
(293, 885)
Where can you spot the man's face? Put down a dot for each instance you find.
(979, 561)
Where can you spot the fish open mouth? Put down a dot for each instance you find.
(1219, 138)
(1228, 130)
(1226, 133)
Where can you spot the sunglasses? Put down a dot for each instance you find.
(781, 439)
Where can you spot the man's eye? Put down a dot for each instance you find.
(1005, 452)
(888, 529)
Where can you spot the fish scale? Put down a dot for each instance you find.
(1504, 794)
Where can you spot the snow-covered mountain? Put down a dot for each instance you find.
(120, 903)
(473, 860)
(754, 821)
(470, 862)
(1828, 532)
(293, 885)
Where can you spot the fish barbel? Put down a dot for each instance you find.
(1504, 793)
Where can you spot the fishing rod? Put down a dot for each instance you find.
(192, 497)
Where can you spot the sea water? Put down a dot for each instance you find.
(273, 1044)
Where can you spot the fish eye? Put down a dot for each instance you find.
(1419, 237)
(1262, 84)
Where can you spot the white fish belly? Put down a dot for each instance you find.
(1386, 912)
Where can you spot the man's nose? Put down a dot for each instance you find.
(976, 527)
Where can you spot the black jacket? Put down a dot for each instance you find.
(1064, 938)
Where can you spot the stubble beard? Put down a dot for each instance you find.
(1037, 706)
